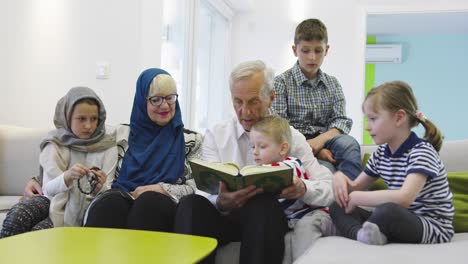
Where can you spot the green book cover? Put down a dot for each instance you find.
(207, 176)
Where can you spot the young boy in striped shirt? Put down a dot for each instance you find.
(271, 138)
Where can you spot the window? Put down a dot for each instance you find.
(175, 47)
(195, 49)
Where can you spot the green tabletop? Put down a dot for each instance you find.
(103, 245)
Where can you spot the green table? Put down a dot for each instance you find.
(103, 245)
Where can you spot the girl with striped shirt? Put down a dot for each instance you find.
(417, 206)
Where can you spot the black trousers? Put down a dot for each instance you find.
(260, 226)
(397, 223)
(116, 209)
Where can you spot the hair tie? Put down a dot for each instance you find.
(420, 116)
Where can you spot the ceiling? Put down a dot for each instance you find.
(417, 23)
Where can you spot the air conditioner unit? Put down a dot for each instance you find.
(383, 53)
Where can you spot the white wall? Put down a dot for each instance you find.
(3, 51)
(266, 32)
(49, 46)
(53, 45)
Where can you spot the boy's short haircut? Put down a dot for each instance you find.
(275, 127)
(311, 29)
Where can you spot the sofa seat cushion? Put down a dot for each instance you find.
(343, 250)
(459, 186)
(6, 202)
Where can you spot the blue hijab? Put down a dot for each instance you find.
(155, 153)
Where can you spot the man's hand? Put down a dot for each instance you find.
(233, 200)
(295, 191)
(153, 187)
(32, 189)
(326, 155)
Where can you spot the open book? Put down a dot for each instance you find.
(207, 176)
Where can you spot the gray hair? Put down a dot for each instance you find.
(247, 69)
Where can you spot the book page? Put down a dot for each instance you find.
(256, 169)
(207, 175)
(272, 181)
(229, 168)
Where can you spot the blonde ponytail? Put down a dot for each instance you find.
(433, 134)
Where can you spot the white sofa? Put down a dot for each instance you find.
(19, 152)
(342, 250)
(19, 162)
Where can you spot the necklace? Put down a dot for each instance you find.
(91, 186)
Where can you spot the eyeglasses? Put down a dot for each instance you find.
(158, 100)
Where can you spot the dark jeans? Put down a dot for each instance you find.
(347, 152)
(116, 209)
(260, 226)
(396, 222)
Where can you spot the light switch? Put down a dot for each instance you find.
(102, 70)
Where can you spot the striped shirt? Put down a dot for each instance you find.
(433, 205)
(294, 209)
(312, 107)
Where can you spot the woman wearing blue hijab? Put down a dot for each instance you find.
(154, 174)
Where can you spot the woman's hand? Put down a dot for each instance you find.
(341, 184)
(153, 187)
(77, 171)
(296, 190)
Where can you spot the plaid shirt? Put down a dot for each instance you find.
(310, 106)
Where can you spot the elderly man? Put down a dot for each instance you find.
(254, 218)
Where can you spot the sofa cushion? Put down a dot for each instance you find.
(343, 250)
(6, 202)
(365, 158)
(19, 157)
(458, 182)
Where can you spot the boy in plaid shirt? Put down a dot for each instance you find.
(313, 102)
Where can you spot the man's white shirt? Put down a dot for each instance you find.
(229, 142)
